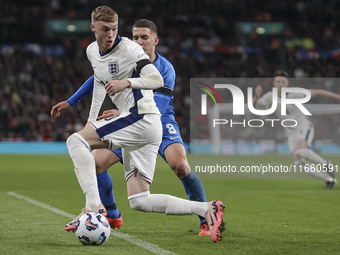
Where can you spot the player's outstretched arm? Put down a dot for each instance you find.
(85, 90)
(55, 112)
(326, 93)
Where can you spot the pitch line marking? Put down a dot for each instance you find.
(134, 240)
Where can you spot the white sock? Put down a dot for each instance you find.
(85, 169)
(144, 201)
(316, 174)
(310, 154)
(301, 162)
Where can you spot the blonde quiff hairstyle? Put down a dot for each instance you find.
(104, 13)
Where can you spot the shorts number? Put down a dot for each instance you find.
(170, 128)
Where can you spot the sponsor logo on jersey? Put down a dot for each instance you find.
(173, 137)
(113, 67)
(140, 55)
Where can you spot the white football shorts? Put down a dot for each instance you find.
(305, 133)
(139, 136)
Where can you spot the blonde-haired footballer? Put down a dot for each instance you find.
(171, 149)
(137, 130)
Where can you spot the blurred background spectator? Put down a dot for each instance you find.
(43, 42)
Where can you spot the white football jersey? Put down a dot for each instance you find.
(292, 112)
(119, 64)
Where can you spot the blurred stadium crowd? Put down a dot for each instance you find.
(200, 38)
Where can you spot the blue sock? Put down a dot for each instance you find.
(105, 187)
(194, 189)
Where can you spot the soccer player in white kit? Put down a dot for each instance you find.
(301, 136)
(137, 130)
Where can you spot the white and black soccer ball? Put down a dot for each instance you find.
(92, 229)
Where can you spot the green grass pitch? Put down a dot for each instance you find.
(264, 216)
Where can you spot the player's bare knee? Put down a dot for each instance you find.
(180, 167)
(299, 152)
(100, 166)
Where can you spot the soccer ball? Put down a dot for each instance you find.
(92, 229)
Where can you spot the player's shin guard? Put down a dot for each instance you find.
(84, 168)
(321, 175)
(301, 162)
(105, 187)
(144, 201)
(310, 154)
(194, 189)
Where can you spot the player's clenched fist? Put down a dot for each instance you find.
(116, 86)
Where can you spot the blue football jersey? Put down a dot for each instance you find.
(168, 73)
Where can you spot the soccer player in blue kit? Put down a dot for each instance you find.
(171, 149)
